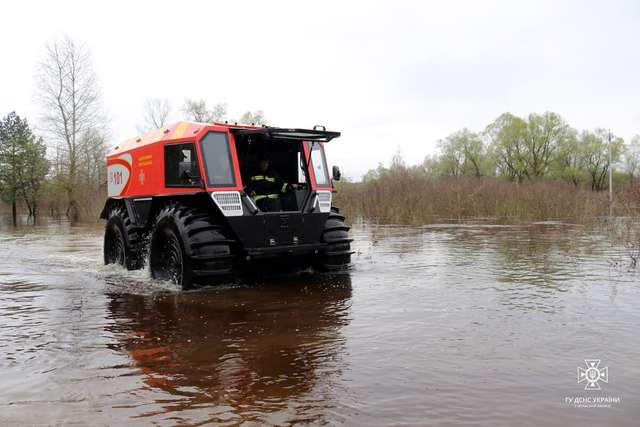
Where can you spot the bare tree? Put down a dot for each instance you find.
(70, 101)
(197, 111)
(218, 112)
(595, 148)
(155, 114)
(631, 157)
(254, 118)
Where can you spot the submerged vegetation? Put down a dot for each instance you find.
(517, 169)
(405, 197)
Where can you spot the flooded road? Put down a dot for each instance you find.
(440, 325)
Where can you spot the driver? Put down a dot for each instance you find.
(266, 186)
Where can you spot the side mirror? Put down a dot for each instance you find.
(336, 173)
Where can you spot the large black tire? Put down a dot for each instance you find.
(122, 240)
(337, 255)
(188, 247)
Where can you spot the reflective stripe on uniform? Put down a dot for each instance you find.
(265, 196)
(284, 188)
(261, 177)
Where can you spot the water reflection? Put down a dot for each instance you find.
(445, 324)
(526, 266)
(265, 352)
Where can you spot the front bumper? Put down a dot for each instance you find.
(285, 250)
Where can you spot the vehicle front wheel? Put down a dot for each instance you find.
(189, 248)
(336, 234)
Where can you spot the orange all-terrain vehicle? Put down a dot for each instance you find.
(200, 199)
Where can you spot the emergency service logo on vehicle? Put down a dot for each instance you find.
(593, 374)
(118, 171)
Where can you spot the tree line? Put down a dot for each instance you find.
(516, 169)
(529, 168)
(539, 146)
(23, 164)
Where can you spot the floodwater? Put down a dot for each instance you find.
(441, 325)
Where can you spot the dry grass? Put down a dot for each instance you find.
(627, 226)
(402, 197)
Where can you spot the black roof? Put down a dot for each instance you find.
(289, 134)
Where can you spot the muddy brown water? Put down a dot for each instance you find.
(440, 325)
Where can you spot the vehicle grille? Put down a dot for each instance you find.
(229, 202)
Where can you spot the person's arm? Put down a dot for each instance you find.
(250, 187)
(280, 185)
(251, 192)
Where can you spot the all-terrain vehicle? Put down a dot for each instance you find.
(180, 197)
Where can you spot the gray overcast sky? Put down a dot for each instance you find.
(388, 75)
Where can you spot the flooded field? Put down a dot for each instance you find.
(440, 325)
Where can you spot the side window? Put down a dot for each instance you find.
(319, 165)
(181, 166)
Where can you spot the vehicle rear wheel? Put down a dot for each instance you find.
(336, 235)
(189, 248)
(122, 240)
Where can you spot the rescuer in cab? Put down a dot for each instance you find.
(266, 186)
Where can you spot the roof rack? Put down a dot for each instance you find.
(290, 134)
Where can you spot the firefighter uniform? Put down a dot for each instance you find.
(265, 189)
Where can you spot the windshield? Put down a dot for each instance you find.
(217, 159)
(319, 165)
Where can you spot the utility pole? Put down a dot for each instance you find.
(610, 178)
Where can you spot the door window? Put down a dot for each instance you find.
(181, 166)
(217, 159)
